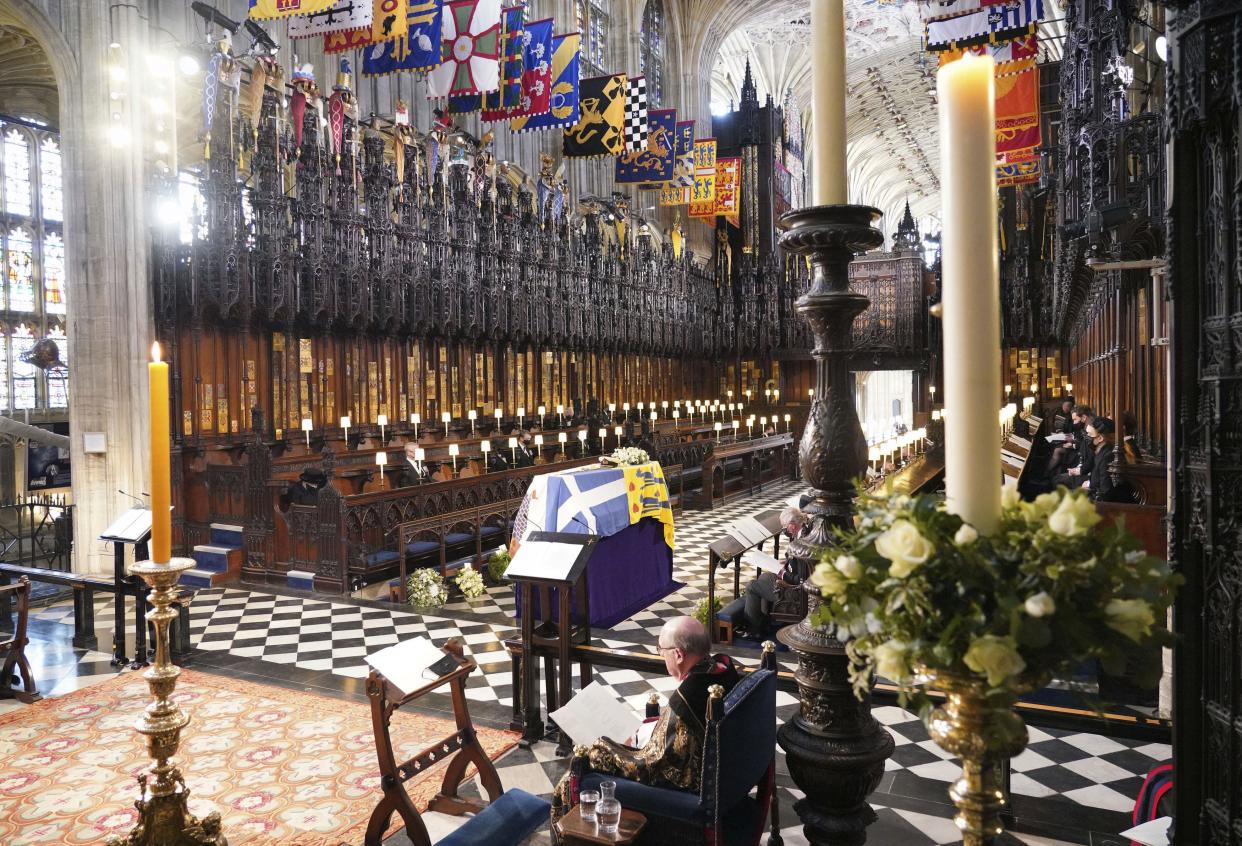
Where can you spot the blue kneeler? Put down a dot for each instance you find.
(506, 821)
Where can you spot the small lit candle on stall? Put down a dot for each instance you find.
(1008, 389)
(730, 394)
(307, 425)
(612, 409)
(788, 417)
(736, 424)
(381, 461)
(664, 406)
(935, 415)
(472, 416)
(563, 437)
(161, 459)
(446, 419)
(539, 445)
(654, 416)
(485, 446)
(763, 424)
(625, 409)
(1069, 388)
(676, 416)
(603, 436)
(810, 394)
(420, 455)
(382, 422)
(513, 449)
(345, 424)
(582, 436)
(641, 406)
(776, 395)
(521, 414)
(717, 427)
(541, 411)
(560, 415)
(500, 413)
(414, 421)
(971, 298)
(617, 432)
(767, 392)
(454, 451)
(931, 389)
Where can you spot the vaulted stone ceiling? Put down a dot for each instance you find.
(891, 114)
(27, 84)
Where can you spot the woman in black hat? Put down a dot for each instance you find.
(305, 491)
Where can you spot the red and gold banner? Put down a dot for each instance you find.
(1017, 110)
(729, 188)
(350, 39)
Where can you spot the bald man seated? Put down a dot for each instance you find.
(673, 757)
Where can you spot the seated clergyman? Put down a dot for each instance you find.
(673, 757)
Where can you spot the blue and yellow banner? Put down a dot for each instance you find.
(599, 130)
(564, 104)
(654, 163)
(677, 193)
(419, 50)
(703, 194)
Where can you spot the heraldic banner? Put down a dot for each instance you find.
(598, 131)
(703, 194)
(654, 163)
(563, 103)
(418, 50)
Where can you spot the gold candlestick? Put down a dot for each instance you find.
(164, 817)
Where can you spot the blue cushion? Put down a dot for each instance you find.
(734, 611)
(382, 557)
(661, 801)
(491, 531)
(506, 822)
(421, 547)
(458, 537)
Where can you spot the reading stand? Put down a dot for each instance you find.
(547, 561)
(463, 745)
(133, 528)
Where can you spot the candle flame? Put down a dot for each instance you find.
(155, 351)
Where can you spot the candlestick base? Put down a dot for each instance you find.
(163, 814)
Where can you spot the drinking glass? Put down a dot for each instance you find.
(608, 789)
(586, 801)
(608, 815)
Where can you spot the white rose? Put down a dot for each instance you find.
(905, 546)
(1074, 516)
(828, 580)
(1009, 494)
(848, 566)
(890, 660)
(995, 656)
(965, 535)
(1040, 605)
(1132, 617)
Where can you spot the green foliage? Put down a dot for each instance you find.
(707, 618)
(914, 592)
(497, 564)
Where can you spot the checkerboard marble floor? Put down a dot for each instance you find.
(1068, 787)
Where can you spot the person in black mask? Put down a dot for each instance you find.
(305, 491)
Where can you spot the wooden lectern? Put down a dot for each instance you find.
(548, 562)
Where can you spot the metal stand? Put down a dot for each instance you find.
(835, 749)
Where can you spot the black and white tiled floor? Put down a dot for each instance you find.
(1068, 787)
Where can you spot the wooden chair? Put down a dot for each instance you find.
(15, 661)
(504, 821)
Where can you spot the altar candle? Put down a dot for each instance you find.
(345, 424)
(161, 461)
(971, 298)
(307, 425)
(415, 419)
(829, 186)
(454, 451)
(472, 416)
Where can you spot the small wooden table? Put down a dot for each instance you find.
(578, 832)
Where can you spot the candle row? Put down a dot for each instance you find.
(905, 445)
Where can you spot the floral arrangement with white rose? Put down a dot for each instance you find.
(914, 591)
(626, 457)
(426, 588)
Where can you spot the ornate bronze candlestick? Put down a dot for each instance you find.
(164, 817)
(835, 749)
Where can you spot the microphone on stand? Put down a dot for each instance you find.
(134, 498)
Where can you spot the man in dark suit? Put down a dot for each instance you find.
(1102, 432)
(414, 470)
(525, 453)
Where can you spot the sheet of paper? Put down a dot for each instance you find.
(644, 733)
(1012, 460)
(748, 531)
(759, 558)
(403, 663)
(1151, 833)
(543, 560)
(595, 712)
(1022, 442)
(1057, 438)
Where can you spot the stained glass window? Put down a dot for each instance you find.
(4, 368)
(53, 274)
(592, 20)
(24, 375)
(58, 379)
(16, 173)
(51, 196)
(651, 50)
(19, 270)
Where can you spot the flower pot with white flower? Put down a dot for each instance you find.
(923, 599)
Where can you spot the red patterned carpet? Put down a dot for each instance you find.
(283, 768)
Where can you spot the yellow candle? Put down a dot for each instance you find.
(161, 473)
(971, 290)
(829, 185)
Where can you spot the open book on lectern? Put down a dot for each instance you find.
(551, 557)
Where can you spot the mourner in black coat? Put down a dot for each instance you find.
(305, 491)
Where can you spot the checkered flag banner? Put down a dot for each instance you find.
(636, 114)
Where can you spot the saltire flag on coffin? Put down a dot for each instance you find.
(537, 73)
(636, 114)
(602, 501)
(563, 97)
(728, 188)
(341, 16)
(1017, 110)
(470, 50)
(267, 9)
(1016, 17)
(678, 192)
(419, 50)
(703, 194)
(654, 163)
(1015, 49)
(598, 131)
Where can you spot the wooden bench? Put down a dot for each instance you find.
(14, 648)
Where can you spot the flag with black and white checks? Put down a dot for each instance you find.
(636, 114)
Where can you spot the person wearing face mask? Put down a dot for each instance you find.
(413, 470)
(1101, 431)
(525, 451)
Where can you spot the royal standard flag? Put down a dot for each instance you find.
(729, 188)
(470, 50)
(267, 9)
(703, 194)
(598, 131)
(419, 50)
(564, 105)
(654, 163)
(1017, 110)
(677, 193)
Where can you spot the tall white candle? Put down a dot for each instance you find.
(829, 185)
(971, 290)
